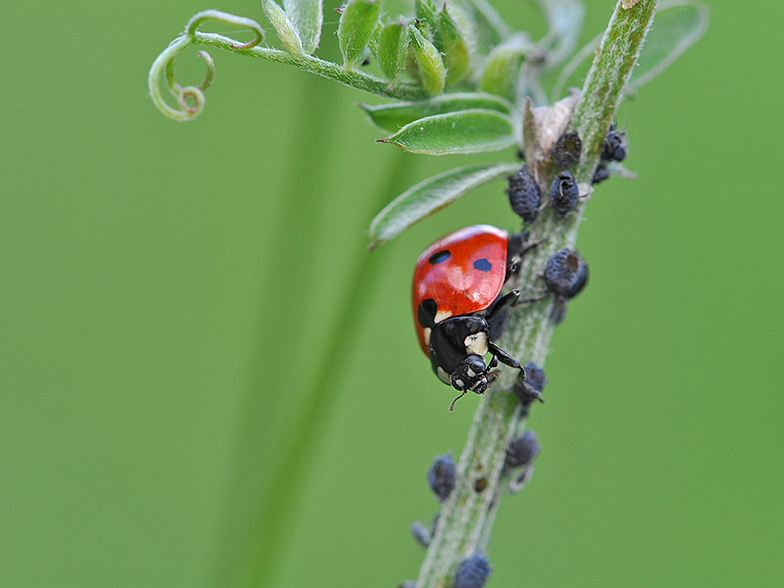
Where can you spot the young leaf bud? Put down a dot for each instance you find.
(432, 73)
(614, 146)
(525, 197)
(425, 11)
(450, 40)
(358, 23)
(564, 193)
(502, 66)
(567, 149)
(472, 572)
(392, 47)
(286, 32)
(523, 450)
(441, 476)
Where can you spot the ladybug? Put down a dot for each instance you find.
(458, 308)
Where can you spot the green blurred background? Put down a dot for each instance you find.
(208, 382)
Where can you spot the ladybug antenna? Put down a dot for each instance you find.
(451, 406)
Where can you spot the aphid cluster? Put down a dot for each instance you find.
(461, 295)
(457, 299)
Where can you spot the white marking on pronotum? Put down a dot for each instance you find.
(427, 331)
(477, 343)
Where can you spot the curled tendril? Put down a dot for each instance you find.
(191, 99)
(210, 70)
(226, 18)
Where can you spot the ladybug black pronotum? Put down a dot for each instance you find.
(458, 306)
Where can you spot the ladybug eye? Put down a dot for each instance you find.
(440, 256)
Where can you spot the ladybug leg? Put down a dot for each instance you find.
(517, 249)
(501, 303)
(528, 245)
(505, 358)
(496, 314)
(533, 300)
(530, 390)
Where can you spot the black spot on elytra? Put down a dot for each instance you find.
(483, 265)
(426, 313)
(440, 256)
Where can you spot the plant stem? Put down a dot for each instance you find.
(352, 78)
(467, 516)
(349, 77)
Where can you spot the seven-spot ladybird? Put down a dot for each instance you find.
(456, 296)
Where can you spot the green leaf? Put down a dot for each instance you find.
(286, 30)
(466, 131)
(502, 67)
(565, 21)
(432, 73)
(489, 27)
(677, 26)
(307, 17)
(452, 43)
(574, 72)
(357, 25)
(431, 195)
(392, 47)
(392, 117)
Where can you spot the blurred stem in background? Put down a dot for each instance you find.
(253, 557)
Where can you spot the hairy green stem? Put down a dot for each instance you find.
(467, 516)
(191, 99)
(352, 78)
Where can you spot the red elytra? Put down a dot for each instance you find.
(462, 272)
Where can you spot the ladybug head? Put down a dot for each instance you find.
(457, 349)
